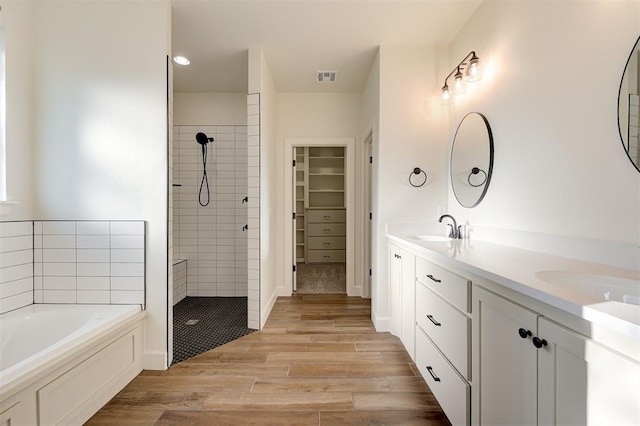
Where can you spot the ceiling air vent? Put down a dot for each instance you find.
(326, 76)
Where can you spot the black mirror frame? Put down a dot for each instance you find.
(626, 65)
(490, 169)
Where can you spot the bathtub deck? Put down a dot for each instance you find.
(318, 361)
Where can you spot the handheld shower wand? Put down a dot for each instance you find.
(203, 140)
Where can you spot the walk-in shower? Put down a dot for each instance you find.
(209, 232)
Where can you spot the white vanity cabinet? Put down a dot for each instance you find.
(504, 363)
(402, 288)
(531, 370)
(583, 382)
(506, 351)
(443, 333)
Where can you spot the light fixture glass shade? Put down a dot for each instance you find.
(181, 60)
(473, 69)
(458, 83)
(446, 94)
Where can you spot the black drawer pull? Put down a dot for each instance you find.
(326, 230)
(326, 217)
(434, 279)
(430, 370)
(436, 323)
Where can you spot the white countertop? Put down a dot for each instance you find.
(588, 290)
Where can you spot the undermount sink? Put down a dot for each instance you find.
(432, 238)
(602, 287)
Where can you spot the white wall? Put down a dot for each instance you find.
(313, 115)
(318, 115)
(552, 73)
(101, 127)
(370, 125)
(271, 160)
(210, 108)
(412, 133)
(17, 20)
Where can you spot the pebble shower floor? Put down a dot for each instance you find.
(204, 323)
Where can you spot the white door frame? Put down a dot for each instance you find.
(350, 204)
(367, 195)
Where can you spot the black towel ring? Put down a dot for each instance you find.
(475, 171)
(417, 171)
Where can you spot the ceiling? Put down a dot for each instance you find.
(300, 37)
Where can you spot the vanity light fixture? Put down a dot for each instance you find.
(181, 60)
(467, 70)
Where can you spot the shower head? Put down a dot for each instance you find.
(203, 139)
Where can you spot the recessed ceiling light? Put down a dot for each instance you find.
(181, 60)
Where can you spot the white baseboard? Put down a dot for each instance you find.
(154, 360)
(381, 324)
(266, 310)
(284, 292)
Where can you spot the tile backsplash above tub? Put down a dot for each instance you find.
(92, 262)
(16, 265)
(83, 262)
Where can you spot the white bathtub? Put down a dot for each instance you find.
(60, 363)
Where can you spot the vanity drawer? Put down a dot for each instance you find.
(326, 243)
(328, 229)
(447, 327)
(453, 287)
(452, 391)
(320, 256)
(326, 215)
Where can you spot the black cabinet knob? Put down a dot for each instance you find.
(524, 333)
(538, 343)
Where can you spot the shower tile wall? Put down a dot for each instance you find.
(253, 173)
(211, 238)
(170, 191)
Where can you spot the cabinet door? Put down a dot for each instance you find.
(582, 382)
(395, 289)
(408, 332)
(504, 365)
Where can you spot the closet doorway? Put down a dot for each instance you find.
(321, 221)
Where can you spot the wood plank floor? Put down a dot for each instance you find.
(317, 361)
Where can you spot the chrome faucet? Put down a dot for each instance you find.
(456, 231)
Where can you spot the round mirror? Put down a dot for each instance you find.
(629, 106)
(471, 159)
